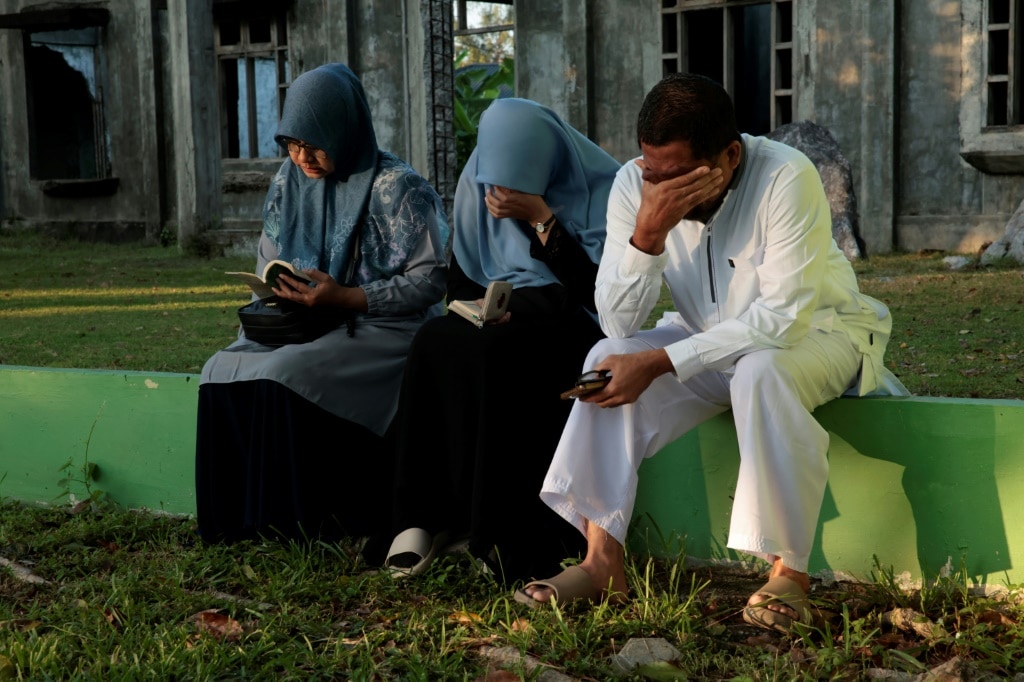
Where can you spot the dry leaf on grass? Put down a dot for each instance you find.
(20, 624)
(911, 620)
(521, 625)
(465, 618)
(217, 624)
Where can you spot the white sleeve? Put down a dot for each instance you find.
(791, 277)
(628, 280)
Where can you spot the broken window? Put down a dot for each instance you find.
(64, 74)
(253, 73)
(748, 48)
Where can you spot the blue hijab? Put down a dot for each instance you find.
(525, 146)
(315, 223)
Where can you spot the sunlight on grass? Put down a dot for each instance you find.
(64, 294)
(124, 307)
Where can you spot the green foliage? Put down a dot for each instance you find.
(490, 46)
(474, 92)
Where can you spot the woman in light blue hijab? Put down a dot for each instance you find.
(290, 438)
(480, 412)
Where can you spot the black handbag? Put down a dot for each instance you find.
(275, 321)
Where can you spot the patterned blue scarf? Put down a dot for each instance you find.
(315, 223)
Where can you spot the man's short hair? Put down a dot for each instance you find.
(686, 107)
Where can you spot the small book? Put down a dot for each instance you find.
(263, 286)
(495, 304)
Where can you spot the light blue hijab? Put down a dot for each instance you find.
(525, 146)
(315, 223)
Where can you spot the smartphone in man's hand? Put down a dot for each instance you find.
(587, 383)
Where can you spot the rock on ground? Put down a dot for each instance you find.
(1012, 243)
(818, 144)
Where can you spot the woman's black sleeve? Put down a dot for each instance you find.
(570, 263)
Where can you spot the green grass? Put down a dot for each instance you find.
(69, 304)
(101, 306)
(955, 333)
(130, 595)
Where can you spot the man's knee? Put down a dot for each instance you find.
(606, 347)
(762, 370)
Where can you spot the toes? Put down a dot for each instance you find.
(541, 594)
(772, 603)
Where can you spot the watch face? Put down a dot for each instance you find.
(540, 227)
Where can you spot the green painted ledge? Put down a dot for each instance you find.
(139, 428)
(921, 483)
(918, 482)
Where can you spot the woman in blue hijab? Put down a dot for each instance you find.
(480, 413)
(290, 438)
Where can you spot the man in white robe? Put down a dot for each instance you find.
(770, 324)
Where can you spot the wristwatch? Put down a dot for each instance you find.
(546, 225)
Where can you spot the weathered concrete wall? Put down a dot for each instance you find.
(585, 61)
(552, 64)
(626, 64)
(195, 112)
(943, 201)
(383, 43)
(848, 66)
(161, 107)
(885, 78)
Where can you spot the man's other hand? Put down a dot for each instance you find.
(631, 375)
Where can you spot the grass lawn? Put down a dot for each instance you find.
(99, 592)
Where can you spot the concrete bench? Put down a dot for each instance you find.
(921, 483)
(138, 428)
(924, 484)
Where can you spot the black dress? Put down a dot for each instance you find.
(480, 415)
(270, 463)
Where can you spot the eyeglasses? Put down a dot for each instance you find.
(294, 146)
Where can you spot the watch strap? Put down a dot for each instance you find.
(546, 225)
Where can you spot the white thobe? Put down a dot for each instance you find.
(770, 323)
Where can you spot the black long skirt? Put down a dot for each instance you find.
(479, 419)
(271, 464)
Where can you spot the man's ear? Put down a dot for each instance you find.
(734, 153)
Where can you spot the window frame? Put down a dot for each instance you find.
(782, 87)
(995, 149)
(245, 52)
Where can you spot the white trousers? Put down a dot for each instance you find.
(783, 464)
